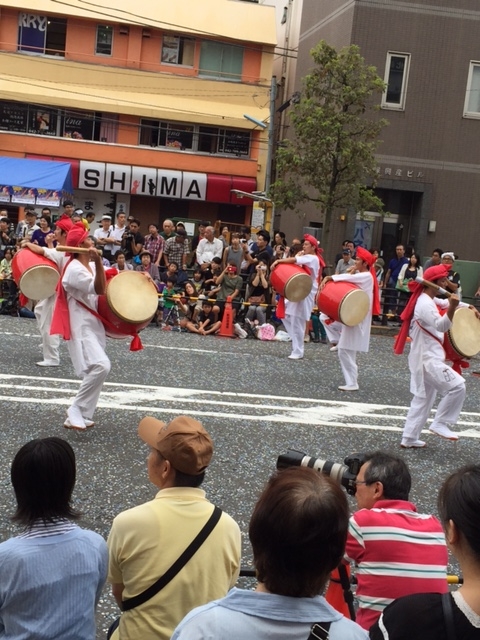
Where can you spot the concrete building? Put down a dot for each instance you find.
(146, 101)
(429, 165)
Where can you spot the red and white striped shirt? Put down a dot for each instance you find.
(398, 552)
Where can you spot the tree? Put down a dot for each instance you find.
(331, 158)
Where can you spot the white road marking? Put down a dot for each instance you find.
(226, 405)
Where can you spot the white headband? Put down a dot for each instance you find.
(448, 254)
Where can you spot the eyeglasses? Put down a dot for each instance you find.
(361, 482)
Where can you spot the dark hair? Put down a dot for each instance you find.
(136, 221)
(187, 480)
(439, 251)
(391, 471)
(47, 219)
(410, 259)
(171, 281)
(217, 260)
(264, 234)
(459, 500)
(153, 224)
(246, 230)
(68, 203)
(43, 477)
(204, 223)
(174, 263)
(120, 253)
(282, 235)
(47, 209)
(298, 532)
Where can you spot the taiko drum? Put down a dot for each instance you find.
(291, 281)
(35, 275)
(344, 302)
(463, 337)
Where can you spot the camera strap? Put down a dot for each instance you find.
(319, 631)
(189, 552)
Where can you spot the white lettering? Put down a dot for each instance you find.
(32, 21)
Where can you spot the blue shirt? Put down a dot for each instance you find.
(255, 615)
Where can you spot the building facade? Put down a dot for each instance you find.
(428, 53)
(146, 102)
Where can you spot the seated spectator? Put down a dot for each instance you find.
(147, 540)
(208, 248)
(280, 251)
(229, 284)
(187, 305)
(297, 531)
(197, 281)
(423, 616)
(206, 323)
(9, 287)
(210, 277)
(258, 291)
(261, 245)
(121, 264)
(54, 572)
(171, 273)
(148, 267)
(169, 303)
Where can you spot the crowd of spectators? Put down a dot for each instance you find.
(172, 562)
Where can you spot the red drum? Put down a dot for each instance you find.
(291, 281)
(463, 338)
(129, 304)
(344, 302)
(35, 275)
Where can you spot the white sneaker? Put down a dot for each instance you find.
(306, 339)
(349, 387)
(413, 444)
(334, 348)
(292, 356)
(46, 363)
(241, 333)
(443, 431)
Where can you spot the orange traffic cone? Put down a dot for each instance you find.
(226, 330)
(335, 594)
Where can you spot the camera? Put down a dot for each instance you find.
(243, 240)
(345, 474)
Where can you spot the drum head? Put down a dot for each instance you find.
(39, 282)
(132, 297)
(464, 333)
(354, 307)
(298, 287)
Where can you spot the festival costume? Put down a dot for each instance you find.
(256, 615)
(397, 552)
(429, 372)
(146, 540)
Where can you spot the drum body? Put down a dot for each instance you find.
(129, 304)
(463, 337)
(344, 302)
(291, 281)
(35, 275)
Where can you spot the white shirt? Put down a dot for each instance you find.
(117, 234)
(207, 251)
(304, 308)
(357, 338)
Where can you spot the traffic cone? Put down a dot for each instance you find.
(226, 329)
(335, 595)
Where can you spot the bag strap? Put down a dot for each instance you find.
(448, 616)
(319, 631)
(189, 552)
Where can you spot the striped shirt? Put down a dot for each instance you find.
(398, 552)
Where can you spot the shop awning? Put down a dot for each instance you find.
(34, 181)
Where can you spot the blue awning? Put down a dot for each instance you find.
(36, 174)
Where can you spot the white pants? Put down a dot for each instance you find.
(348, 362)
(50, 344)
(91, 387)
(295, 327)
(333, 330)
(447, 413)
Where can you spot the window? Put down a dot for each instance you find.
(396, 78)
(178, 50)
(41, 34)
(219, 60)
(472, 98)
(213, 140)
(103, 43)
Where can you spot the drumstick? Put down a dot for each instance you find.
(76, 249)
(427, 283)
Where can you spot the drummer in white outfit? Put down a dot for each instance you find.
(297, 313)
(357, 338)
(429, 372)
(82, 282)
(44, 308)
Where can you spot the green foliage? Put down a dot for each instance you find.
(332, 156)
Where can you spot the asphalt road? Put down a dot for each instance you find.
(253, 400)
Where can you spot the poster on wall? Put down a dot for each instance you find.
(42, 121)
(5, 193)
(48, 198)
(78, 125)
(23, 195)
(13, 117)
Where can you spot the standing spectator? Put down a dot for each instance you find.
(117, 233)
(54, 572)
(6, 237)
(234, 252)
(225, 237)
(196, 239)
(297, 531)
(345, 263)
(145, 541)
(39, 236)
(68, 209)
(168, 229)
(258, 291)
(26, 228)
(148, 267)
(132, 240)
(452, 284)
(409, 272)
(155, 244)
(345, 245)
(176, 249)
(390, 281)
(435, 260)
(209, 248)
(397, 551)
(103, 237)
(262, 244)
